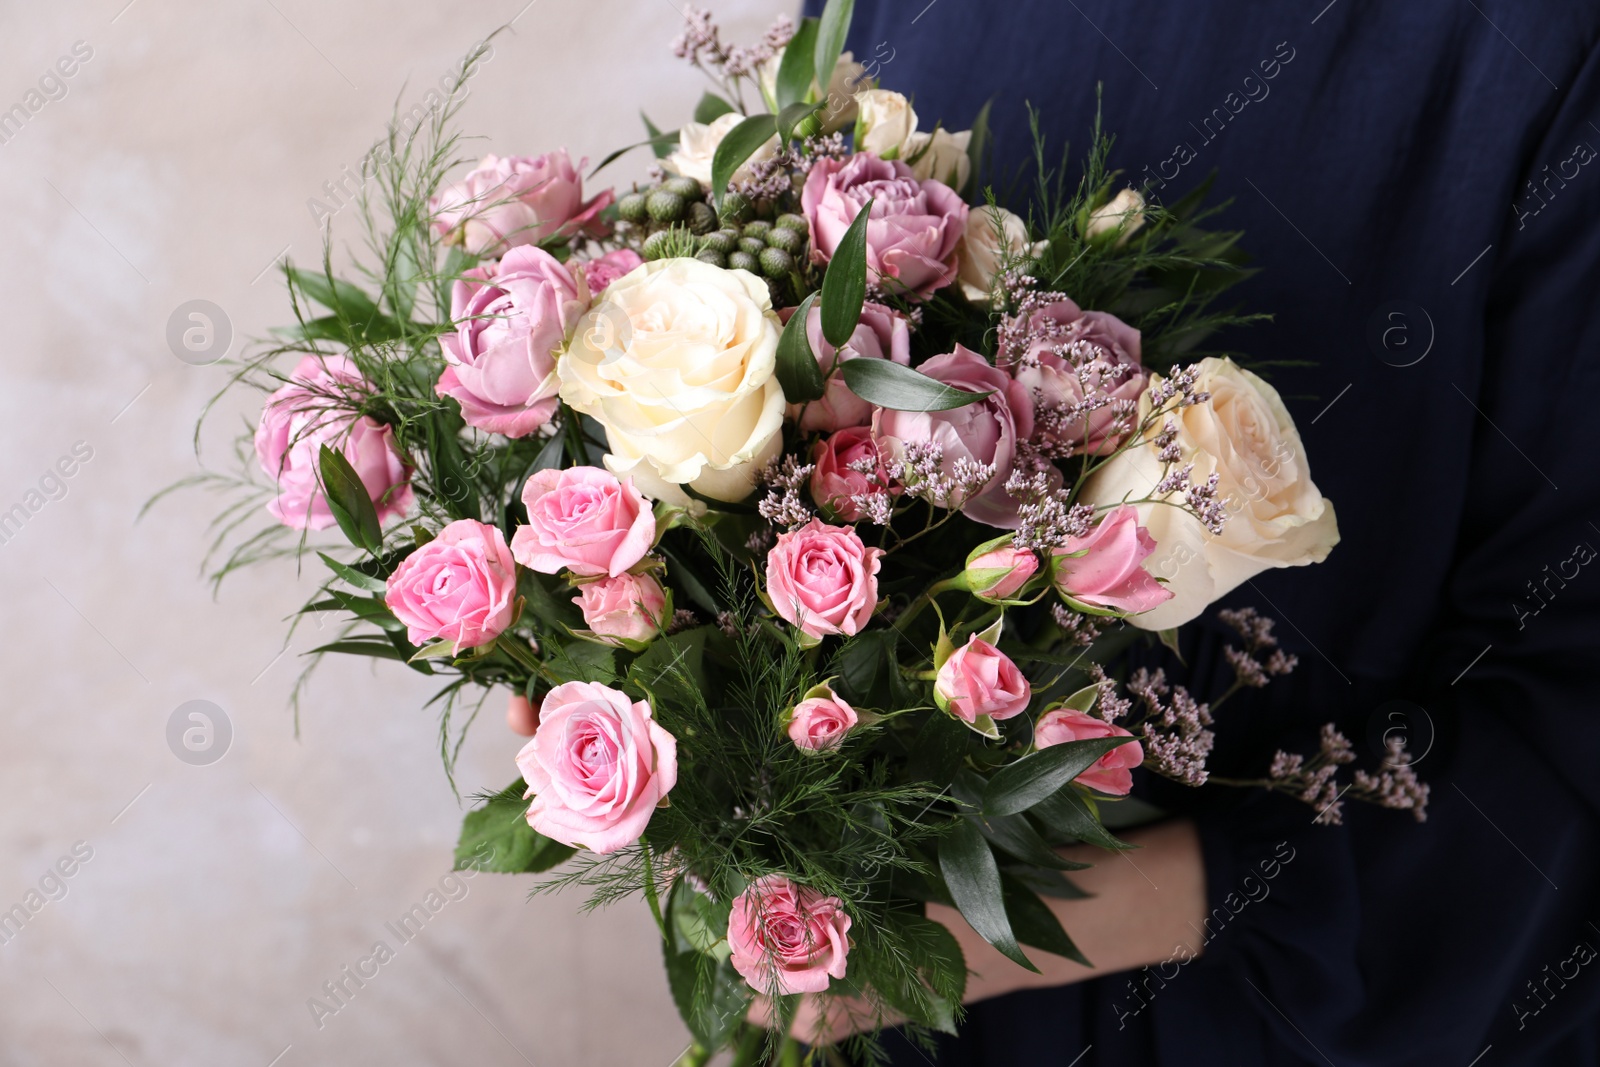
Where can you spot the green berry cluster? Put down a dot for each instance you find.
(676, 202)
(773, 249)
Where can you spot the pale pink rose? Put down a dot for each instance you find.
(787, 938)
(1067, 341)
(833, 484)
(315, 409)
(985, 432)
(597, 767)
(511, 318)
(1000, 572)
(823, 580)
(1109, 773)
(912, 233)
(881, 334)
(460, 587)
(584, 520)
(977, 680)
(630, 607)
(608, 268)
(1105, 568)
(819, 723)
(507, 201)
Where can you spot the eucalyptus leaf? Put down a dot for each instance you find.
(1067, 812)
(710, 108)
(798, 68)
(1036, 924)
(349, 501)
(797, 369)
(792, 116)
(352, 576)
(844, 285)
(890, 385)
(832, 31)
(974, 881)
(1018, 786)
(738, 145)
(497, 837)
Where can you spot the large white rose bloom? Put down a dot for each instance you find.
(676, 361)
(1276, 515)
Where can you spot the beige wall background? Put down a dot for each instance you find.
(218, 899)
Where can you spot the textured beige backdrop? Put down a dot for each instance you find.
(177, 166)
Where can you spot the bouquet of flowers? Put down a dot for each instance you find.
(802, 498)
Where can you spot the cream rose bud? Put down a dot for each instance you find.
(940, 155)
(686, 389)
(1276, 515)
(697, 144)
(1122, 216)
(885, 121)
(992, 233)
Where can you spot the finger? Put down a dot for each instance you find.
(521, 716)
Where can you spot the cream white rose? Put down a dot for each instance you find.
(940, 155)
(1276, 515)
(991, 232)
(697, 144)
(839, 104)
(676, 361)
(885, 121)
(1122, 216)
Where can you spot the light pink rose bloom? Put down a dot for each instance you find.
(460, 587)
(823, 580)
(1068, 339)
(608, 268)
(507, 201)
(787, 938)
(833, 484)
(511, 318)
(310, 412)
(985, 432)
(1105, 568)
(1111, 772)
(912, 233)
(597, 767)
(1000, 572)
(584, 520)
(820, 722)
(631, 607)
(977, 680)
(882, 333)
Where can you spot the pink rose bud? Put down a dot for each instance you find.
(834, 482)
(597, 767)
(977, 680)
(511, 318)
(820, 721)
(1105, 568)
(914, 229)
(584, 520)
(629, 607)
(460, 587)
(508, 201)
(1109, 773)
(306, 414)
(823, 580)
(787, 938)
(608, 268)
(998, 573)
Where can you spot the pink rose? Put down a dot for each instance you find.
(823, 580)
(820, 722)
(1068, 347)
(508, 201)
(834, 484)
(912, 233)
(597, 767)
(881, 334)
(629, 607)
(787, 938)
(460, 587)
(985, 432)
(1109, 773)
(314, 409)
(608, 268)
(977, 680)
(510, 318)
(1105, 568)
(584, 520)
(1000, 572)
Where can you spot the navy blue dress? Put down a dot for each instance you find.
(1420, 186)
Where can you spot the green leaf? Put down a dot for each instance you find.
(697, 924)
(844, 286)
(792, 116)
(678, 659)
(798, 372)
(497, 837)
(1169, 638)
(1067, 812)
(354, 577)
(739, 145)
(342, 331)
(452, 481)
(978, 146)
(1019, 786)
(375, 649)
(349, 501)
(832, 31)
(709, 994)
(1036, 924)
(974, 880)
(869, 671)
(1046, 883)
(367, 609)
(890, 385)
(1013, 834)
(798, 69)
(335, 294)
(938, 749)
(660, 143)
(710, 108)
(581, 661)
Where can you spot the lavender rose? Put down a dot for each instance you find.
(1067, 349)
(507, 201)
